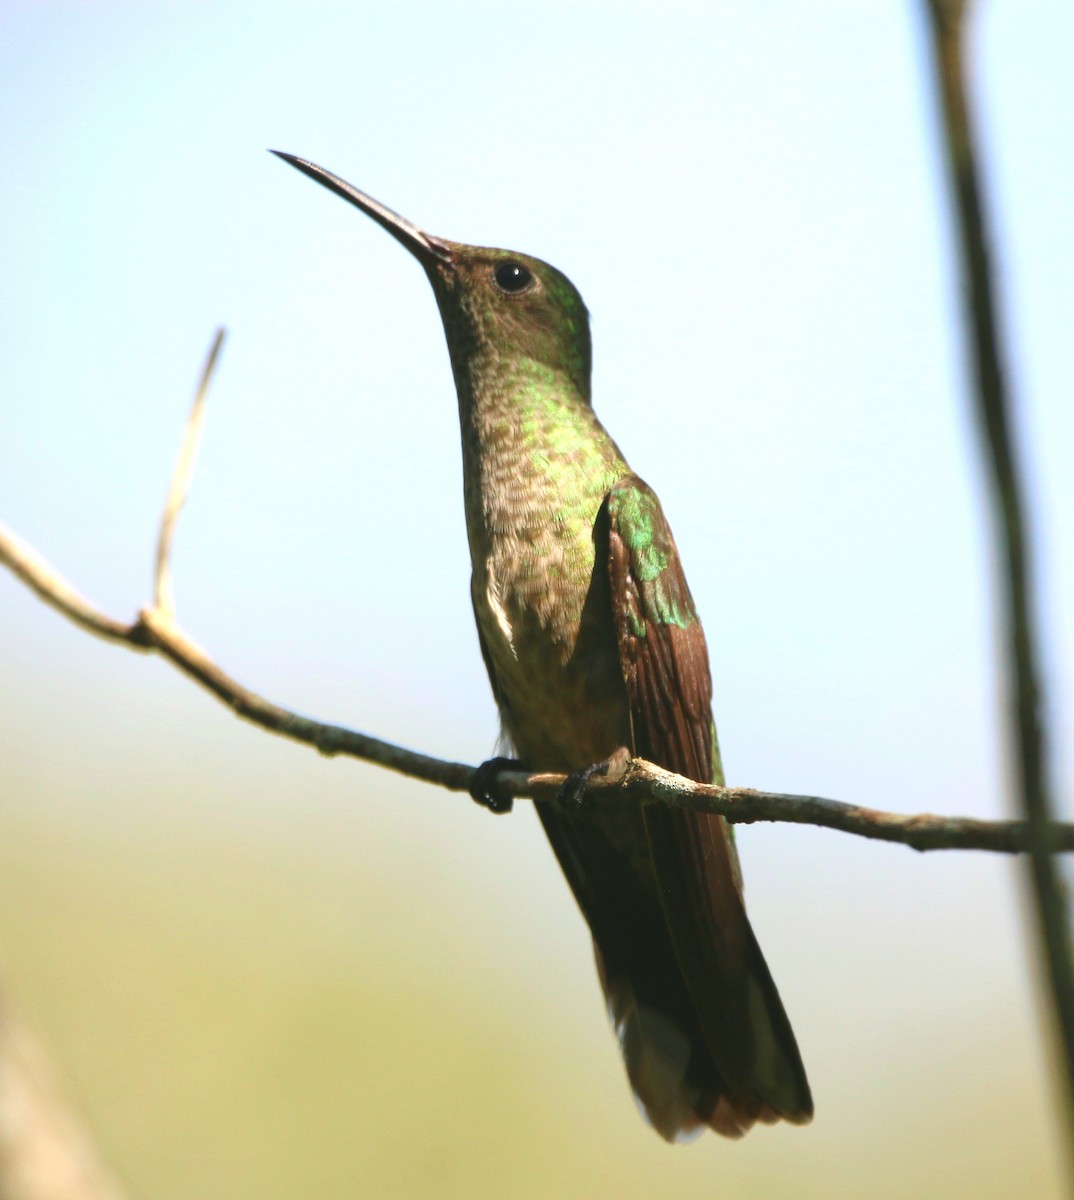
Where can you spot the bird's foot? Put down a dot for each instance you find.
(485, 788)
(572, 793)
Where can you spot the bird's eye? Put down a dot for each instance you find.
(512, 278)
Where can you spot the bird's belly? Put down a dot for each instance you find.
(558, 684)
(563, 706)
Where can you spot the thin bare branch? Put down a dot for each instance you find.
(164, 635)
(643, 783)
(51, 586)
(992, 407)
(164, 599)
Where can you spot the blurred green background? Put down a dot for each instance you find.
(265, 974)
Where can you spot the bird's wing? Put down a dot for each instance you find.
(665, 667)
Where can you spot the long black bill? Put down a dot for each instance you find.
(421, 244)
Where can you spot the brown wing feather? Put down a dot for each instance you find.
(666, 670)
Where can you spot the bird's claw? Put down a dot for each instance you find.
(572, 793)
(485, 788)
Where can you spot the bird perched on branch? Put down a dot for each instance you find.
(595, 654)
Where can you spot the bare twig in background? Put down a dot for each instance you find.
(156, 629)
(164, 600)
(947, 22)
(45, 1153)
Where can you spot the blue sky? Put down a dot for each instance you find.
(748, 196)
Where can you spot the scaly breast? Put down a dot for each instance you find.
(537, 468)
(541, 597)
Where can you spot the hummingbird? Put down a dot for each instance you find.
(595, 654)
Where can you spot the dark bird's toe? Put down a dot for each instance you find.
(486, 789)
(572, 793)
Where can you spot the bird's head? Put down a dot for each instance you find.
(495, 304)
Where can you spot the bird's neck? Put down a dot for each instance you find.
(533, 450)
